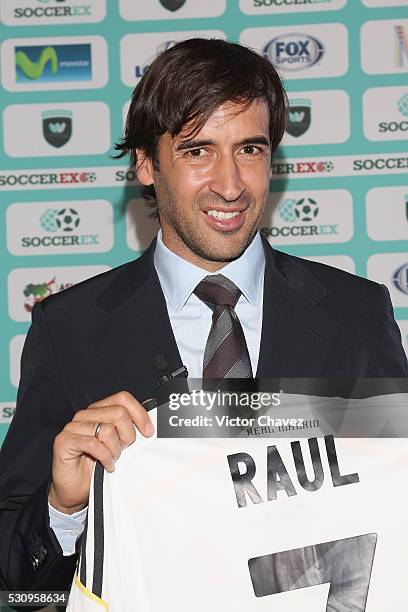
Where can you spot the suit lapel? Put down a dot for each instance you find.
(137, 329)
(297, 335)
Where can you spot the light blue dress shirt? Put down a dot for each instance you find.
(191, 321)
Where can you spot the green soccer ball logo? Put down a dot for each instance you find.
(306, 209)
(67, 219)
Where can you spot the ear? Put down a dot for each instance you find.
(144, 168)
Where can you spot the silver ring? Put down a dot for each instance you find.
(98, 429)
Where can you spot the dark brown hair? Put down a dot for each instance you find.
(187, 83)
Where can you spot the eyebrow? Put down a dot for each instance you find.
(197, 143)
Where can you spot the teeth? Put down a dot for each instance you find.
(218, 214)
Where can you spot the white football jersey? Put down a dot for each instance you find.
(248, 525)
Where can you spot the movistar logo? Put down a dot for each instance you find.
(34, 70)
(55, 63)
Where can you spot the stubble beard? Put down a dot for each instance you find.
(185, 235)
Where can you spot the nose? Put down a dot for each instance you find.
(226, 180)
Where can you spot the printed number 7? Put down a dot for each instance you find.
(345, 564)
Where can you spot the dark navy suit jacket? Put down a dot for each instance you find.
(101, 336)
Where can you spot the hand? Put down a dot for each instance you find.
(76, 448)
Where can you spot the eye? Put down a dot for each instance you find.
(196, 153)
(251, 149)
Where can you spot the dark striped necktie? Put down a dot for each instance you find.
(226, 352)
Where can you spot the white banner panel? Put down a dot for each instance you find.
(137, 51)
(387, 213)
(385, 3)
(310, 118)
(263, 7)
(30, 12)
(391, 269)
(308, 217)
(302, 51)
(342, 165)
(71, 128)
(27, 286)
(384, 46)
(48, 228)
(386, 113)
(65, 62)
(139, 10)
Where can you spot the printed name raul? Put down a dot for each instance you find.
(243, 469)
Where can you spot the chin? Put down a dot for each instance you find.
(223, 255)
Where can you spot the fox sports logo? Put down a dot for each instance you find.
(294, 51)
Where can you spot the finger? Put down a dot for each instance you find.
(111, 400)
(66, 445)
(114, 415)
(137, 412)
(108, 434)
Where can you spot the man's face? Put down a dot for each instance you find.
(212, 188)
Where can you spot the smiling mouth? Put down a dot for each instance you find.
(225, 221)
(221, 215)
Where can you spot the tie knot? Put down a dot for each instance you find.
(217, 290)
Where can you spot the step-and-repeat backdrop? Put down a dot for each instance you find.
(339, 192)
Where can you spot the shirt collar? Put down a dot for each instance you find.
(179, 278)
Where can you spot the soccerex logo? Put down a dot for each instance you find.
(56, 63)
(386, 113)
(397, 126)
(299, 220)
(380, 163)
(66, 220)
(84, 226)
(305, 209)
(400, 278)
(290, 3)
(61, 227)
(52, 8)
(47, 178)
(302, 167)
(294, 51)
(394, 127)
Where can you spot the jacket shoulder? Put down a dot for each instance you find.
(84, 292)
(342, 291)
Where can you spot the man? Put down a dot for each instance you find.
(202, 127)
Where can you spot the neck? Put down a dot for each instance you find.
(184, 252)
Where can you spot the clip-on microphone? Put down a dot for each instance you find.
(161, 364)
